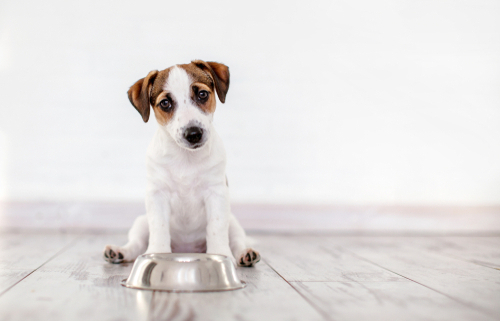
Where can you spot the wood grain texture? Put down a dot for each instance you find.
(300, 278)
(266, 297)
(483, 251)
(384, 301)
(77, 285)
(321, 260)
(472, 285)
(21, 254)
(304, 258)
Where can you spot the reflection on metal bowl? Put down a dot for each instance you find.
(183, 272)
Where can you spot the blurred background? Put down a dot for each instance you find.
(349, 104)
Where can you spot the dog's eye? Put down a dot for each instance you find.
(165, 104)
(203, 94)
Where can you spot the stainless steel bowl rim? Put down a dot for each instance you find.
(183, 272)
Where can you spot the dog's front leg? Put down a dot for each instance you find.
(218, 213)
(158, 213)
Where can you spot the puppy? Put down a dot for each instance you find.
(187, 201)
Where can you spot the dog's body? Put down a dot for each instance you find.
(187, 199)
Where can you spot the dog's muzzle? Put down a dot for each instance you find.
(193, 135)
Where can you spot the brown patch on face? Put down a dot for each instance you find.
(199, 75)
(144, 92)
(219, 72)
(207, 106)
(162, 116)
(208, 76)
(158, 84)
(158, 94)
(202, 80)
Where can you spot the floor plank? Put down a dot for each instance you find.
(21, 254)
(300, 278)
(473, 285)
(77, 285)
(303, 258)
(386, 301)
(479, 250)
(266, 297)
(338, 283)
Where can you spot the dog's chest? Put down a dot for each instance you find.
(185, 186)
(188, 221)
(187, 209)
(185, 179)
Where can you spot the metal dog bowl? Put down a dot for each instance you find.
(183, 272)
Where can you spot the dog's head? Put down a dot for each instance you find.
(183, 99)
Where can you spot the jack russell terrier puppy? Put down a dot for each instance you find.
(187, 199)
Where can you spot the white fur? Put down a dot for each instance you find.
(187, 199)
(186, 114)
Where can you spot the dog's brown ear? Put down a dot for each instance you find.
(220, 73)
(139, 94)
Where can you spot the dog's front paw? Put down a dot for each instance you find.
(248, 258)
(113, 254)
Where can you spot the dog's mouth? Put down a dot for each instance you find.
(192, 147)
(196, 146)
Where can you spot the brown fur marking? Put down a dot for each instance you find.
(209, 76)
(219, 72)
(209, 105)
(138, 94)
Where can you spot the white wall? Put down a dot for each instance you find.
(384, 102)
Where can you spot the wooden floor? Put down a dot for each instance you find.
(50, 276)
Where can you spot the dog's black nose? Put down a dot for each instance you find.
(193, 134)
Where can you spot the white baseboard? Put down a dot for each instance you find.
(109, 216)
